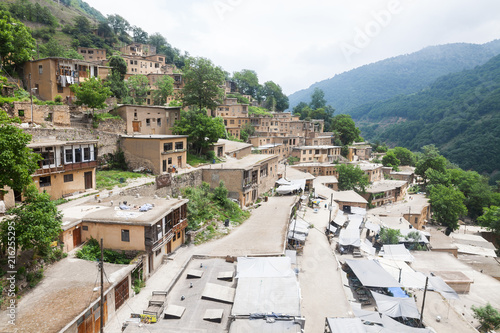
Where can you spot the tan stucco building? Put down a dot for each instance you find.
(92, 54)
(246, 178)
(67, 167)
(148, 120)
(54, 76)
(317, 154)
(386, 191)
(160, 153)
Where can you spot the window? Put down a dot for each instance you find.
(131, 62)
(179, 145)
(86, 154)
(125, 235)
(317, 151)
(167, 146)
(170, 160)
(158, 252)
(40, 69)
(78, 155)
(68, 178)
(68, 155)
(158, 121)
(179, 234)
(231, 121)
(148, 122)
(175, 237)
(60, 89)
(20, 113)
(44, 181)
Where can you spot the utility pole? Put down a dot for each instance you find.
(31, 98)
(330, 209)
(101, 265)
(423, 302)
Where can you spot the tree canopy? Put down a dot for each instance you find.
(390, 160)
(16, 44)
(138, 87)
(91, 92)
(201, 129)
(447, 205)
(202, 84)
(247, 82)
(491, 219)
(164, 89)
(429, 159)
(275, 99)
(17, 161)
(405, 156)
(346, 129)
(351, 178)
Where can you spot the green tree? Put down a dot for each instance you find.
(390, 160)
(247, 130)
(220, 194)
(275, 99)
(247, 82)
(447, 204)
(117, 86)
(37, 221)
(17, 161)
(351, 178)
(138, 87)
(92, 93)
(389, 236)
(201, 129)
(16, 44)
(435, 177)
(429, 159)
(202, 84)
(346, 128)
(491, 219)
(118, 64)
(475, 187)
(488, 317)
(165, 88)
(120, 27)
(139, 35)
(318, 100)
(405, 156)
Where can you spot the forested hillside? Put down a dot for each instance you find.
(459, 113)
(404, 74)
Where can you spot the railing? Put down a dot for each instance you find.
(65, 167)
(168, 235)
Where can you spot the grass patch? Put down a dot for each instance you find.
(107, 179)
(195, 160)
(255, 110)
(92, 252)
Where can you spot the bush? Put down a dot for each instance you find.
(58, 99)
(92, 252)
(488, 317)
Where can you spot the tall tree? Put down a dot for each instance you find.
(164, 89)
(139, 35)
(92, 93)
(491, 219)
(429, 159)
(203, 80)
(447, 204)
(390, 160)
(201, 129)
(351, 178)
(275, 99)
(17, 161)
(138, 87)
(405, 156)
(346, 129)
(16, 44)
(317, 99)
(118, 64)
(37, 221)
(247, 82)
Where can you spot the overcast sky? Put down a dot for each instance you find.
(297, 43)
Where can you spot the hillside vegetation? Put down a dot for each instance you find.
(403, 74)
(459, 113)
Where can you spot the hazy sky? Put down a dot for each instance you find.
(296, 43)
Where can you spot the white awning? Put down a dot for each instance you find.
(371, 274)
(397, 252)
(340, 325)
(294, 185)
(349, 237)
(441, 287)
(396, 306)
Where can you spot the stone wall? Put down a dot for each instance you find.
(188, 179)
(42, 114)
(108, 142)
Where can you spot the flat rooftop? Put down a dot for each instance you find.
(244, 163)
(231, 146)
(108, 211)
(385, 185)
(49, 143)
(154, 136)
(415, 204)
(316, 147)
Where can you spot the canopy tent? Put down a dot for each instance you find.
(354, 221)
(409, 277)
(340, 325)
(340, 218)
(388, 325)
(296, 236)
(366, 316)
(264, 267)
(371, 274)
(367, 247)
(358, 211)
(349, 237)
(332, 228)
(294, 185)
(397, 252)
(395, 326)
(283, 181)
(405, 232)
(396, 306)
(300, 226)
(372, 226)
(441, 287)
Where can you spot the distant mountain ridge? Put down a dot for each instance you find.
(459, 113)
(403, 74)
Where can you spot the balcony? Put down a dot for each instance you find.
(49, 169)
(156, 245)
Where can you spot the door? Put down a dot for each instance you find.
(77, 237)
(169, 247)
(136, 126)
(121, 293)
(88, 180)
(150, 263)
(179, 162)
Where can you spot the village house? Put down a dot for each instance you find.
(66, 167)
(385, 191)
(374, 171)
(153, 79)
(317, 169)
(246, 179)
(54, 76)
(276, 148)
(58, 115)
(138, 49)
(360, 151)
(236, 149)
(416, 210)
(155, 226)
(158, 153)
(317, 154)
(320, 139)
(148, 120)
(235, 115)
(92, 54)
(349, 199)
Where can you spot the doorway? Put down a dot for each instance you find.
(88, 180)
(77, 236)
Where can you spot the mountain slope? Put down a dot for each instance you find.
(459, 113)
(399, 75)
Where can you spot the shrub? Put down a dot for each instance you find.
(58, 99)
(488, 317)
